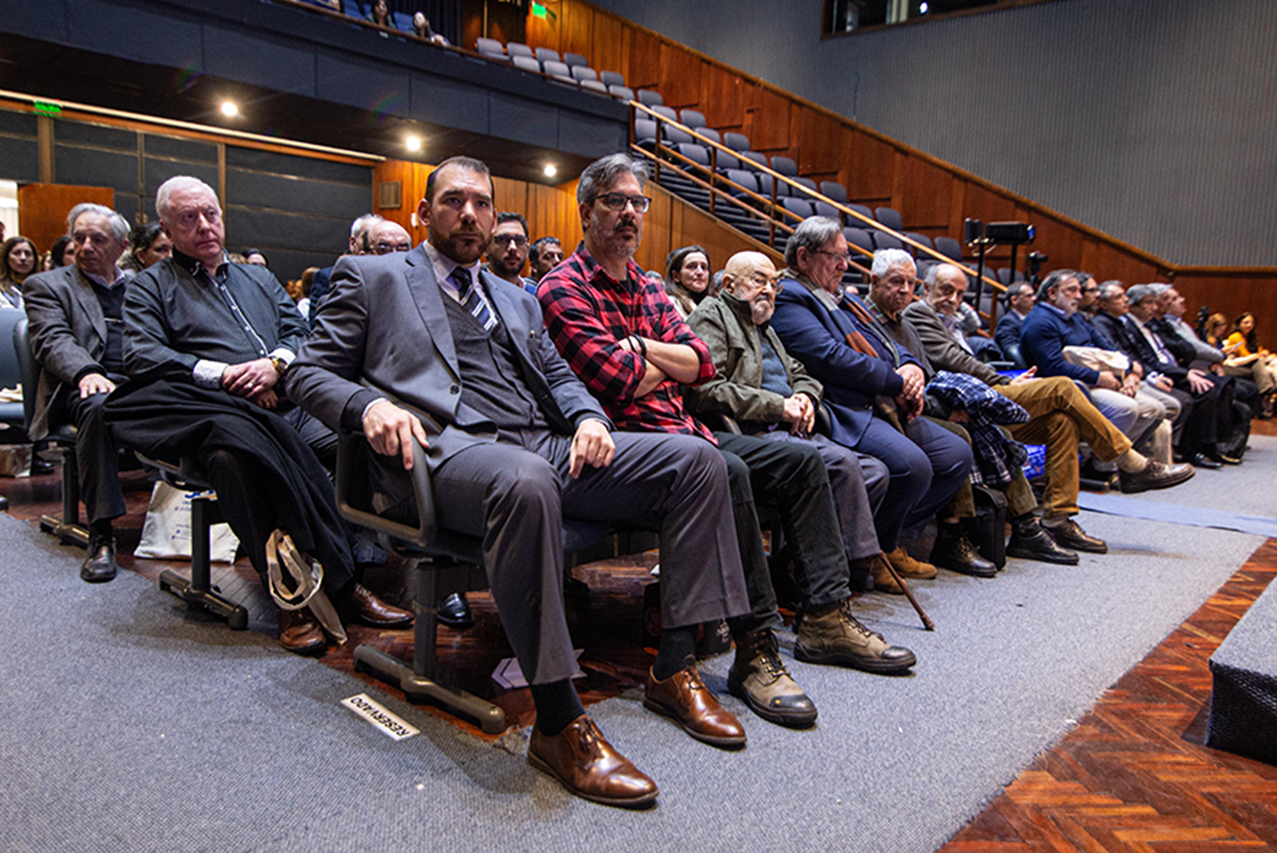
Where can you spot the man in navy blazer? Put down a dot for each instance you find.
(873, 386)
(422, 345)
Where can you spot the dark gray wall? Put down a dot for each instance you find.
(295, 209)
(1152, 120)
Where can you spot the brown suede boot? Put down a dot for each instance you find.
(759, 678)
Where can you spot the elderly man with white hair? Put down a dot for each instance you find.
(206, 344)
(76, 323)
(1061, 417)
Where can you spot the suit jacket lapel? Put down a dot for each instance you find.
(429, 301)
(88, 301)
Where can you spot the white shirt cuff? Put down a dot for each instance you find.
(364, 413)
(284, 355)
(208, 374)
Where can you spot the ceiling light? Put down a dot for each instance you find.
(550, 170)
(229, 109)
(924, 8)
(413, 143)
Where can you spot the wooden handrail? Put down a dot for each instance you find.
(876, 225)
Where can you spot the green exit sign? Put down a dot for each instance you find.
(45, 108)
(538, 10)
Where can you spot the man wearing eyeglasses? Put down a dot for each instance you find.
(384, 237)
(622, 335)
(508, 250)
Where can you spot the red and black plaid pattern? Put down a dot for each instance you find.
(587, 313)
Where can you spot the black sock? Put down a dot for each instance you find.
(676, 653)
(101, 529)
(557, 705)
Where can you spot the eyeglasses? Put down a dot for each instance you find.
(506, 239)
(835, 255)
(387, 248)
(618, 201)
(761, 281)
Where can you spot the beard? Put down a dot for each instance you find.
(761, 310)
(456, 246)
(609, 239)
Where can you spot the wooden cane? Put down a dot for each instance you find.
(926, 620)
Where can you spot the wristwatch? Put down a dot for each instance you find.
(281, 366)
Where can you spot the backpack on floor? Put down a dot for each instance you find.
(988, 530)
(1233, 442)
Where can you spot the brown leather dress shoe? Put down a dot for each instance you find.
(371, 610)
(300, 634)
(587, 765)
(685, 699)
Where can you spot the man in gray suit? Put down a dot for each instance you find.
(425, 346)
(76, 317)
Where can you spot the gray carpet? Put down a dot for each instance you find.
(129, 725)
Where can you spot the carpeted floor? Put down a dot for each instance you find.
(129, 725)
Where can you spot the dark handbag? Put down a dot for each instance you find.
(988, 530)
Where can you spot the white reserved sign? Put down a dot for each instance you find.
(392, 726)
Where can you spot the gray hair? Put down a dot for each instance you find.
(1054, 279)
(1140, 292)
(885, 259)
(811, 234)
(604, 172)
(934, 270)
(1110, 288)
(363, 223)
(1014, 288)
(119, 226)
(178, 182)
(1160, 287)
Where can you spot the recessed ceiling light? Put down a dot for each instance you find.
(229, 109)
(550, 170)
(413, 143)
(924, 8)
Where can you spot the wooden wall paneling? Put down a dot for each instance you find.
(927, 195)
(43, 209)
(898, 159)
(872, 168)
(1058, 241)
(818, 140)
(547, 31)
(606, 51)
(402, 171)
(767, 125)
(1105, 262)
(1230, 295)
(576, 30)
(722, 97)
(957, 209)
(680, 77)
(642, 56)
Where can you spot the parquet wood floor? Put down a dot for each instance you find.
(1134, 775)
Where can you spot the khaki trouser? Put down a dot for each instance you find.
(1062, 416)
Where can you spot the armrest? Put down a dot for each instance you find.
(719, 421)
(424, 533)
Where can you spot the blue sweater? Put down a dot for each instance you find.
(1044, 335)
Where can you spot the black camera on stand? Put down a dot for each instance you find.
(982, 236)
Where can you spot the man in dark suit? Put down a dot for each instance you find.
(76, 317)
(1019, 301)
(424, 346)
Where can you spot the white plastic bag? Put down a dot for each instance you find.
(166, 533)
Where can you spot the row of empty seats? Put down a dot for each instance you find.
(570, 68)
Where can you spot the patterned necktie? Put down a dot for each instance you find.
(470, 298)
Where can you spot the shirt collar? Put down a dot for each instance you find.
(826, 298)
(120, 275)
(875, 311)
(194, 265)
(443, 265)
(1060, 311)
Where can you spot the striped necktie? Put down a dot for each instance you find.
(471, 300)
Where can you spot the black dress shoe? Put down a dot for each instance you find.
(39, 467)
(1201, 460)
(454, 611)
(99, 565)
(1157, 475)
(1069, 535)
(1225, 458)
(954, 551)
(1034, 543)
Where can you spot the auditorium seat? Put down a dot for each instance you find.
(918, 238)
(490, 48)
(645, 132)
(949, 247)
(518, 48)
(710, 133)
(890, 217)
(403, 22)
(556, 69)
(863, 211)
(572, 60)
(747, 180)
(621, 91)
(1005, 275)
(753, 157)
(806, 184)
(797, 206)
(676, 136)
(582, 73)
(354, 10)
(736, 141)
(826, 209)
(611, 78)
(650, 98)
(692, 118)
(594, 86)
(883, 240)
(527, 63)
(545, 54)
(834, 191)
(859, 237)
(785, 165)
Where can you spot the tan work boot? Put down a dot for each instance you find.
(831, 635)
(883, 579)
(758, 677)
(908, 567)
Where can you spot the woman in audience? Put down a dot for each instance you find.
(687, 278)
(421, 27)
(1245, 357)
(63, 252)
(380, 14)
(255, 256)
(17, 261)
(303, 303)
(148, 244)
